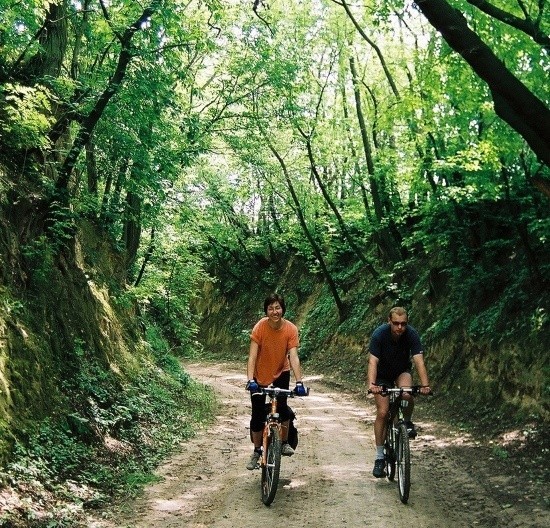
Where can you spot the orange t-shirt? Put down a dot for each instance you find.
(273, 347)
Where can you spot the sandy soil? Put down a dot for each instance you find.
(328, 482)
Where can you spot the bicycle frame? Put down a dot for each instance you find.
(272, 419)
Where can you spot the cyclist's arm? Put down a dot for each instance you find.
(252, 357)
(295, 363)
(422, 372)
(372, 374)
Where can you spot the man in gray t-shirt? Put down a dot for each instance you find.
(393, 348)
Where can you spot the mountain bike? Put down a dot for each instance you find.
(397, 453)
(270, 461)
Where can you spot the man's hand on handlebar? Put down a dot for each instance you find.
(252, 386)
(376, 389)
(301, 389)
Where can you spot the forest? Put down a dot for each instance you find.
(165, 165)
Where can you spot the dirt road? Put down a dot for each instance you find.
(328, 482)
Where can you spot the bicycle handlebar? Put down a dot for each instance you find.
(275, 391)
(415, 389)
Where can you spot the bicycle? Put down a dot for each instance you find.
(397, 453)
(270, 461)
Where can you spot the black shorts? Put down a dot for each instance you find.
(259, 411)
(388, 382)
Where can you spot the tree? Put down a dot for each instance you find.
(514, 102)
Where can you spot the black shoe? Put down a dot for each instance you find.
(411, 429)
(379, 466)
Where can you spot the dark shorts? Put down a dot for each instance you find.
(388, 382)
(259, 412)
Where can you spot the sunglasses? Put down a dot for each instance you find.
(398, 323)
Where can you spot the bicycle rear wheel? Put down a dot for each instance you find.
(270, 471)
(403, 463)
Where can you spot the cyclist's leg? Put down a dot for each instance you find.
(382, 408)
(257, 422)
(257, 419)
(405, 380)
(283, 382)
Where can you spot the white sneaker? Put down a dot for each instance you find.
(286, 450)
(253, 464)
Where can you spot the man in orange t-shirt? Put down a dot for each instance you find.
(273, 352)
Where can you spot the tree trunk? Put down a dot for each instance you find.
(90, 121)
(376, 49)
(513, 101)
(91, 169)
(384, 238)
(52, 38)
(146, 258)
(132, 228)
(367, 149)
(342, 308)
(343, 228)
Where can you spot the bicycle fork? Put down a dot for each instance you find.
(272, 422)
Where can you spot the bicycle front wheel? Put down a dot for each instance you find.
(403, 463)
(389, 451)
(272, 467)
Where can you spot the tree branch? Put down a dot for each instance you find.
(526, 25)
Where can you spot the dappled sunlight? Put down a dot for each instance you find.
(430, 433)
(517, 437)
(295, 483)
(173, 505)
(185, 503)
(329, 480)
(344, 472)
(349, 411)
(328, 424)
(235, 377)
(310, 379)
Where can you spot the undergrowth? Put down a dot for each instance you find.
(107, 444)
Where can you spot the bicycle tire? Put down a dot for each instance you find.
(403, 463)
(270, 471)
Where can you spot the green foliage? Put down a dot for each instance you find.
(114, 431)
(39, 256)
(25, 117)
(51, 449)
(9, 305)
(167, 292)
(500, 452)
(321, 326)
(183, 172)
